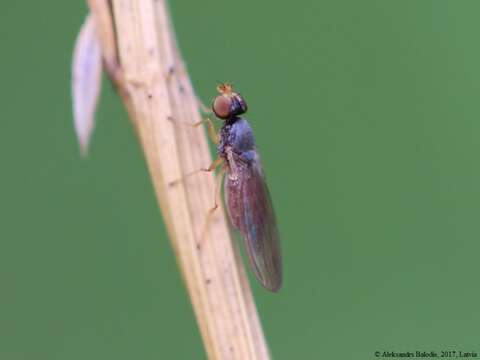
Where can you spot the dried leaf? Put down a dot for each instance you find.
(86, 81)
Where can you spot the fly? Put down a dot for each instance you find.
(246, 194)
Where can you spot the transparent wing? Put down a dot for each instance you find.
(251, 212)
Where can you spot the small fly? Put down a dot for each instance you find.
(246, 194)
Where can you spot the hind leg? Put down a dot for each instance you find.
(216, 201)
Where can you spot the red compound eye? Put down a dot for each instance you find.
(221, 106)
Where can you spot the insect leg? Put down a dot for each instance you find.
(203, 108)
(212, 132)
(211, 212)
(218, 188)
(216, 163)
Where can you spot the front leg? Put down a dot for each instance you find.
(212, 132)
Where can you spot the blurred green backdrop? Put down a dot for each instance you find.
(367, 116)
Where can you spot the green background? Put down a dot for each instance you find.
(367, 115)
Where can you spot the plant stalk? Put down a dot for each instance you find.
(142, 58)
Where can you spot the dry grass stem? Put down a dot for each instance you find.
(142, 58)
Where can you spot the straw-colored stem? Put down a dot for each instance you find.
(142, 58)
